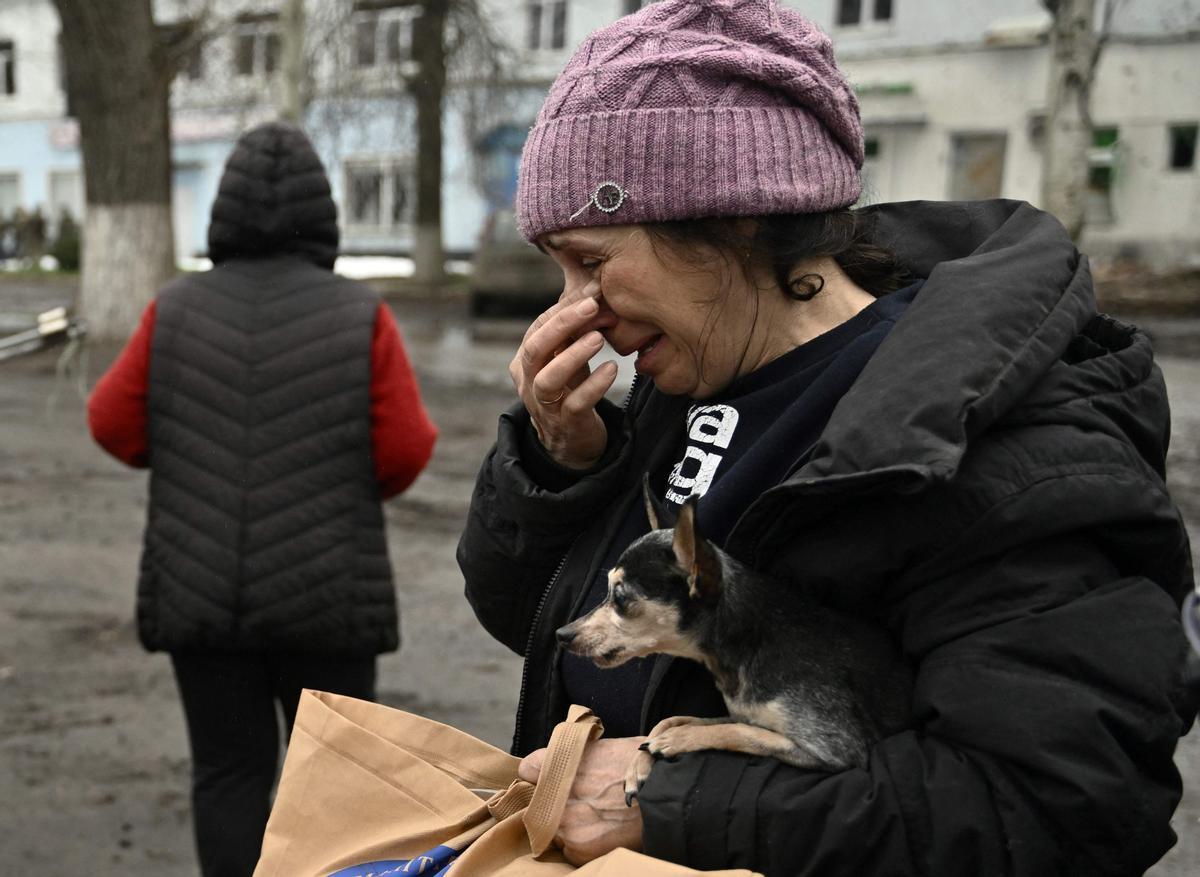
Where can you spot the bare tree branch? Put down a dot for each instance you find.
(182, 39)
(1104, 32)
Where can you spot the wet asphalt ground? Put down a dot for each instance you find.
(93, 752)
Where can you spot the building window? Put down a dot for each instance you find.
(60, 64)
(8, 67)
(547, 24)
(976, 166)
(66, 195)
(851, 12)
(194, 68)
(1102, 173)
(256, 45)
(184, 35)
(383, 34)
(870, 171)
(1183, 146)
(10, 194)
(379, 195)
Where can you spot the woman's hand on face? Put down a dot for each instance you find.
(560, 392)
(596, 819)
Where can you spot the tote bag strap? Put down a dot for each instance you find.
(563, 755)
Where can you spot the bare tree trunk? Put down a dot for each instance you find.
(292, 57)
(118, 77)
(428, 89)
(1074, 52)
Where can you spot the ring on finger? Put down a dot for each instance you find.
(555, 400)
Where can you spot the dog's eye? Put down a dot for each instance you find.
(624, 600)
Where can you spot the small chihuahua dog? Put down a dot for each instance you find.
(807, 685)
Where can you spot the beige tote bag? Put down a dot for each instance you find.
(371, 791)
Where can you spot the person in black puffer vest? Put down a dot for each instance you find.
(275, 406)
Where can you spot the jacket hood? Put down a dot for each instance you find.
(1006, 292)
(1006, 320)
(274, 199)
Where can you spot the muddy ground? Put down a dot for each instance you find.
(93, 754)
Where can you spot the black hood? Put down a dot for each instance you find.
(274, 199)
(1006, 307)
(1006, 293)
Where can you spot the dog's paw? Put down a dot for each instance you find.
(674, 722)
(636, 775)
(678, 740)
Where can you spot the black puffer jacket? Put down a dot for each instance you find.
(991, 488)
(264, 529)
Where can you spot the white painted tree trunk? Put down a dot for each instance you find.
(128, 253)
(428, 254)
(1068, 122)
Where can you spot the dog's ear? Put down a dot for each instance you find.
(696, 556)
(648, 499)
(659, 514)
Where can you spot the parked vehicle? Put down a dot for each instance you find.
(508, 274)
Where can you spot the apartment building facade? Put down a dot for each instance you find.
(953, 98)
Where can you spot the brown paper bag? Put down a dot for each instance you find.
(371, 791)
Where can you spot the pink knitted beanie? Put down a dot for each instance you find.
(693, 108)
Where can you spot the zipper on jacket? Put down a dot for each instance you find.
(537, 614)
(632, 386)
(533, 626)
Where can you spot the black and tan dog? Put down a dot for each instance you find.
(812, 687)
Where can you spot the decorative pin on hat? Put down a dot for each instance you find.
(608, 197)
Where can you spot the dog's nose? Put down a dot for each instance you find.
(565, 635)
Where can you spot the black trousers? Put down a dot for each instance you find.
(229, 702)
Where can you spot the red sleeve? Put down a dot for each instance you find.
(117, 406)
(402, 434)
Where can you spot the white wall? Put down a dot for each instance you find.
(1143, 89)
(929, 23)
(583, 17)
(917, 23)
(953, 92)
(33, 26)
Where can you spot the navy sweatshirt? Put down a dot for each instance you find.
(739, 443)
